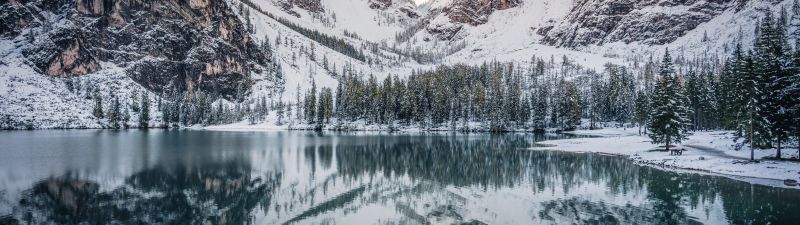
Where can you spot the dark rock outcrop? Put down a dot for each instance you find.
(648, 22)
(380, 4)
(476, 12)
(403, 7)
(460, 13)
(167, 46)
(409, 11)
(313, 6)
(444, 31)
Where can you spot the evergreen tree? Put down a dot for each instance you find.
(557, 98)
(791, 92)
(298, 106)
(98, 105)
(669, 115)
(370, 100)
(324, 107)
(387, 101)
(730, 89)
(221, 114)
(310, 104)
(525, 112)
(762, 67)
(144, 115)
(113, 113)
(778, 102)
(570, 108)
(695, 91)
(642, 114)
(620, 94)
(265, 107)
(280, 112)
(251, 115)
(709, 98)
(135, 101)
(90, 90)
(266, 47)
(539, 120)
(597, 95)
(126, 116)
(165, 115)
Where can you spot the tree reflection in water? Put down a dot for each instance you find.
(420, 179)
(224, 193)
(488, 163)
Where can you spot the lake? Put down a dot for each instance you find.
(211, 177)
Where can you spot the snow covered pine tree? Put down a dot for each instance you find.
(669, 117)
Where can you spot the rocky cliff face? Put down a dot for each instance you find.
(476, 12)
(309, 5)
(579, 23)
(645, 21)
(380, 4)
(451, 17)
(167, 46)
(403, 7)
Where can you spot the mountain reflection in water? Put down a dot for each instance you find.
(200, 177)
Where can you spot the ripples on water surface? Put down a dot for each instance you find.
(204, 177)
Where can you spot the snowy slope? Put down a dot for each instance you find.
(717, 36)
(371, 24)
(518, 33)
(511, 35)
(34, 101)
(301, 71)
(24, 93)
(347, 15)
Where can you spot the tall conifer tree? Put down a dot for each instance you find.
(669, 115)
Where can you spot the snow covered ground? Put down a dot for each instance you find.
(290, 122)
(271, 124)
(706, 152)
(30, 100)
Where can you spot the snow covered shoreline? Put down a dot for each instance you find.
(710, 153)
(360, 125)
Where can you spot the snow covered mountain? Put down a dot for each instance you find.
(618, 27)
(216, 46)
(649, 22)
(172, 46)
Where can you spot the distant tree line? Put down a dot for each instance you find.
(497, 96)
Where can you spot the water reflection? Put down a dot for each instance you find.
(193, 177)
(223, 193)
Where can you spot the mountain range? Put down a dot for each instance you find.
(56, 56)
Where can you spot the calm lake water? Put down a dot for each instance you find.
(206, 177)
